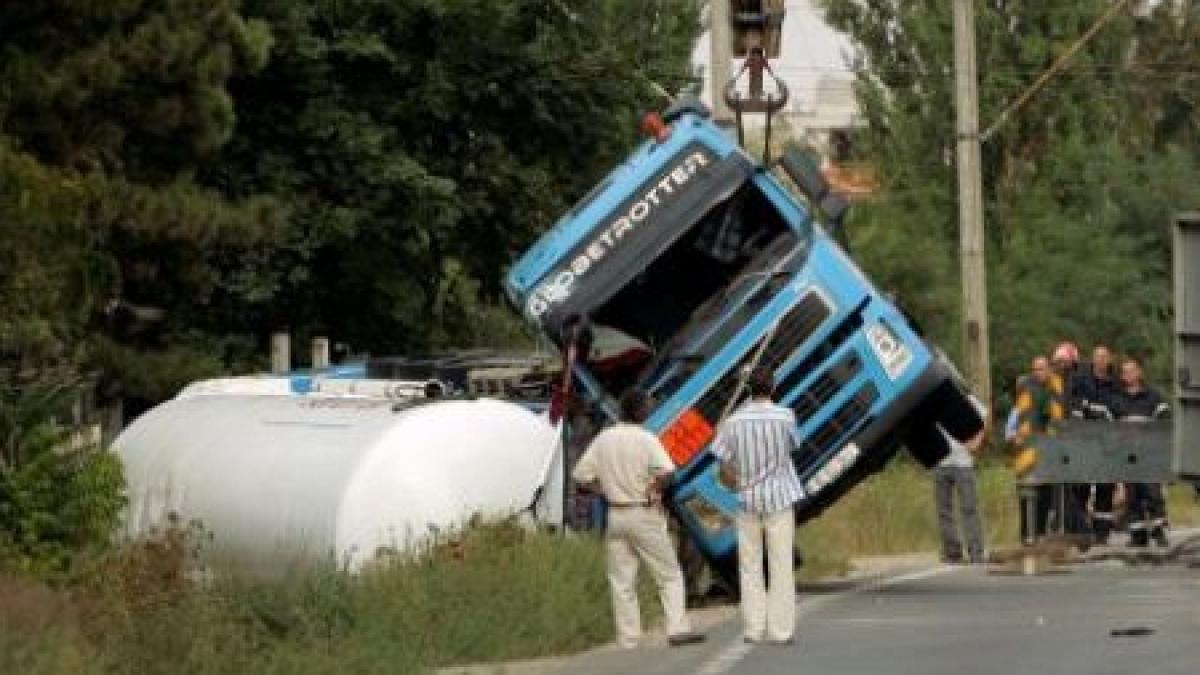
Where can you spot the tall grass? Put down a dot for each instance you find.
(498, 593)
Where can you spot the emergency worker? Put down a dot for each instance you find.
(1039, 404)
(1134, 401)
(1092, 388)
(630, 467)
(1092, 394)
(1065, 362)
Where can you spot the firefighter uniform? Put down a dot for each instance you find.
(1038, 406)
(1091, 398)
(1147, 505)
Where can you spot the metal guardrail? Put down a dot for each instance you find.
(1098, 451)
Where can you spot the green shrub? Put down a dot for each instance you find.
(60, 500)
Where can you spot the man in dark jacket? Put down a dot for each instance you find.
(1091, 393)
(1092, 387)
(1074, 496)
(1134, 401)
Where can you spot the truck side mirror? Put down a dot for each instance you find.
(803, 166)
(685, 103)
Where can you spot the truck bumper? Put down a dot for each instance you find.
(878, 440)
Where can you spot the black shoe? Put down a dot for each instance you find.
(953, 560)
(1159, 535)
(1139, 539)
(685, 639)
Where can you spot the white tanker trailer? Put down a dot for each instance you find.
(279, 478)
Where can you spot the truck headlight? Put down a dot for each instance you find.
(893, 354)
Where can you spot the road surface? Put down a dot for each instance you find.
(957, 620)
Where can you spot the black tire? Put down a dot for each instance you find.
(951, 407)
(726, 568)
(926, 443)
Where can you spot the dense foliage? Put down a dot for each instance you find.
(179, 178)
(60, 496)
(1079, 184)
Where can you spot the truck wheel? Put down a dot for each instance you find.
(953, 410)
(926, 443)
(726, 568)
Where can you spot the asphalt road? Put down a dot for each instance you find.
(963, 620)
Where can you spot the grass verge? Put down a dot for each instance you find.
(893, 512)
(499, 593)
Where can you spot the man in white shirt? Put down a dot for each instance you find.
(755, 444)
(630, 467)
(956, 475)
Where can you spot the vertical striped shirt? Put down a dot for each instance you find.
(759, 439)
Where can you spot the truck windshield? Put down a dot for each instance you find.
(687, 303)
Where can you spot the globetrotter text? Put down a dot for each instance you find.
(559, 284)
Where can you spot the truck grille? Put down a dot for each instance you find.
(796, 326)
(826, 387)
(848, 417)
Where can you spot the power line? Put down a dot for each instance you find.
(1059, 63)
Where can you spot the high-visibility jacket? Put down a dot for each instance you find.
(1038, 407)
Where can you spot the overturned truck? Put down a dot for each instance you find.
(701, 262)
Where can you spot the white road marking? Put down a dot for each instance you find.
(1160, 597)
(886, 621)
(731, 655)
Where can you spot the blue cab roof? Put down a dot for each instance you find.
(583, 218)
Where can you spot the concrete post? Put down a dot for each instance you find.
(281, 353)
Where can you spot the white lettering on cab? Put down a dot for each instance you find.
(558, 285)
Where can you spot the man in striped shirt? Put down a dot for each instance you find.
(756, 444)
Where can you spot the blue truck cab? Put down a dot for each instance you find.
(703, 259)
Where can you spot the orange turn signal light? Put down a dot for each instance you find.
(686, 436)
(654, 127)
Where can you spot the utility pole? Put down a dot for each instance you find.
(970, 202)
(720, 59)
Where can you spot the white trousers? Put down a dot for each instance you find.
(767, 613)
(635, 534)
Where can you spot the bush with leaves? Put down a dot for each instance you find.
(60, 497)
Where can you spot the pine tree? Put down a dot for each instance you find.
(107, 111)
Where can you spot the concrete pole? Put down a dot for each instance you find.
(970, 203)
(320, 353)
(281, 353)
(720, 58)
